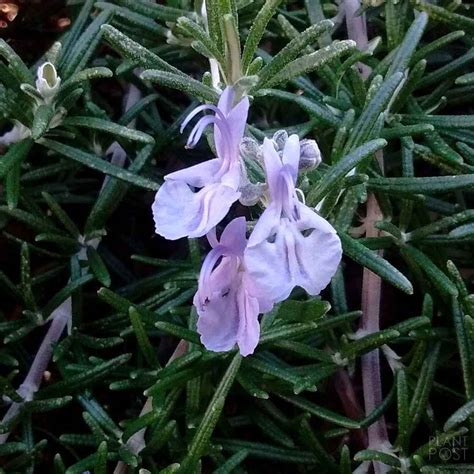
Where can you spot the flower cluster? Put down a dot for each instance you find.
(290, 245)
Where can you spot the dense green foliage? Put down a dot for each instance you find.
(78, 249)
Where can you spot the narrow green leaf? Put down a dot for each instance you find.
(58, 211)
(135, 52)
(178, 331)
(374, 262)
(85, 379)
(41, 120)
(14, 156)
(131, 427)
(257, 30)
(404, 420)
(17, 66)
(407, 48)
(213, 412)
(142, 338)
(108, 127)
(65, 292)
(442, 14)
(186, 84)
(434, 274)
(338, 172)
(85, 45)
(321, 412)
(99, 164)
(292, 50)
(198, 33)
(422, 185)
(378, 456)
(101, 459)
(231, 463)
(77, 26)
(369, 116)
(113, 192)
(312, 61)
(313, 108)
(465, 349)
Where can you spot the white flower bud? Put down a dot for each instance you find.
(47, 81)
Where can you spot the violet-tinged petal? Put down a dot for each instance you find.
(229, 315)
(273, 166)
(291, 155)
(266, 225)
(233, 236)
(218, 322)
(226, 100)
(198, 175)
(290, 257)
(179, 212)
(249, 327)
(228, 133)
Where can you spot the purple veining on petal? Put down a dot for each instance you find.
(290, 245)
(227, 302)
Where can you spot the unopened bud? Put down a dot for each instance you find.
(310, 156)
(279, 138)
(250, 149)
(47, 81)
(251, 193)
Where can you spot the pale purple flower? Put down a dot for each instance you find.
(290, 245)
(194, 200)
(227, 300)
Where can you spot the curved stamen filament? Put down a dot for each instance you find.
(198, 130)
(219, 120)
(196, 111)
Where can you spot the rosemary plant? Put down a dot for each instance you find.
(325, 325)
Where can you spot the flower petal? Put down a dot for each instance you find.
(179, 212)
(291, 155)
(273, 166)
(198, 175)
(226, 100)
(266, 225)
(249, 327)
(292, 259)
(218, 322)
(233, 236)
(229, 131)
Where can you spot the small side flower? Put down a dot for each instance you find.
(227, 301)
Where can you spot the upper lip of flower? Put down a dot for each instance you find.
(285, 196)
